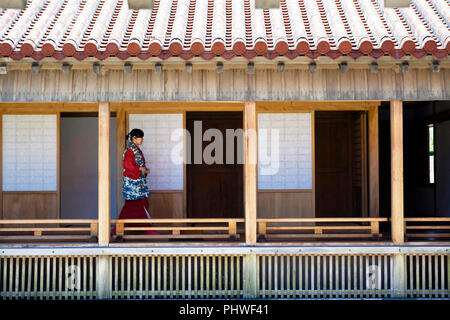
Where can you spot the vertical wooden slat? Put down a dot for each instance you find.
(164, 266)
(60, 276)
(385, 269)
(442, 277)
(66, 267)
(122, 276)
(128, 259)
(360, 268)
(171, 276)
(225, 270)
(238, 274)
(214, 292)
(84, 276)
(146, 279)
(232, 275)
(263, 276)
(91, 277)
(288, 276)
(313, 276)
(54, 260)
(219, 262)
(336, 275)
(281, 291)
(189, 275)
(430, 274)
(29, 276)
(47, 289)
(300, 275)
(177, 276)
(22, 284)
(397, 204)
(208, 292)
(250, 171)
(116, 276)
(411, 278)
(183, 275)
(195, 276)
(294, 275)
(436, 277)
(201, 274)
(158, 275)
(448, 275)
(355, 277)
(423, 275)
(417, 265)
(103, 174)
(349, 286)
(141, 276)
(270, 275)
(307, 276)
(41, 277)
(342, 276)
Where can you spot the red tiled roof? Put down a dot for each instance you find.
(227, 28)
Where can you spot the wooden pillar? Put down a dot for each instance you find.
(250, 171)
(120, 147)
(399, 276)
(103, 276)
(374, 181)
(397, 214)
(250, 276)
(103, 175)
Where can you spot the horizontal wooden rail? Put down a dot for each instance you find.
(319, 231)
(226, 230)
(21, 229)
(427, 227)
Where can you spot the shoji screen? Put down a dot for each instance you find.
(29, 152)
(284, 151)
(165, 174)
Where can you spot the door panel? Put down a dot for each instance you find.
(214, 190)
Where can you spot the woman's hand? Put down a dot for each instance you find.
(144, 170)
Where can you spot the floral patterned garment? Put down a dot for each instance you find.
(134, 189)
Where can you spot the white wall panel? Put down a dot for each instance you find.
(157, 148)
(29, 152)
(284, 151)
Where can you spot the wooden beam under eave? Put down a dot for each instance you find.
(250, 171)
(397, 205)
(374, 180)
(103, 174)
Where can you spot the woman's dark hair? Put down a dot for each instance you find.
(138, 133)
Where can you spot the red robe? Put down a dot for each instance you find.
(134, 209)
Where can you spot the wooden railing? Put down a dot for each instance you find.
(436, 227)
(306, 228)
(179, 228)
(49, 229)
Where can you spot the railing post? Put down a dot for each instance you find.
(250, 276)
(397, 206)
(399, 276)
(250, 171)
(103, 276)
(103, 175)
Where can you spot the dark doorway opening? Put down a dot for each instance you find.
(340, 157)
(214, 190)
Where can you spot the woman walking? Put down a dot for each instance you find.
(134, 188)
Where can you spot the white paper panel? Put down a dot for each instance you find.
(157, 148)
(29, 152)
(286, 162)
